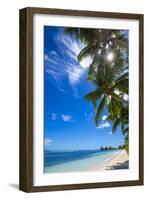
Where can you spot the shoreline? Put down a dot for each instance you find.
(119, 161)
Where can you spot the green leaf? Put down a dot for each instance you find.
(125, 75)
(93, 96)
(85, 52)
(122, 85)
(100, 109)
(120, 99)
(71, 31)
(116, 124)
(126, 130)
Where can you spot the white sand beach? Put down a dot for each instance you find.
(120, 161)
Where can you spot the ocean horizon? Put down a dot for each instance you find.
(75, 160)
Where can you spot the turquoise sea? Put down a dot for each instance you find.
(75, 161)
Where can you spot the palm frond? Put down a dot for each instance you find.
(100, 109)
(116, 124)
(123, 76)
(87, 51)
(93, 96)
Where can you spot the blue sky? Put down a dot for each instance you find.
(68, 118)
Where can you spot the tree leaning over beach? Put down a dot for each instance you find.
(108, 72)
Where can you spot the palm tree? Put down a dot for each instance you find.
(108, 72)
(110, 90)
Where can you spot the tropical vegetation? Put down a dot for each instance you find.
(105, 148)
(108, 72)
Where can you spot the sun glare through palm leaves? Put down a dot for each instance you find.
(110, 56)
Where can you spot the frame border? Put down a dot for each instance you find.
(26, 99)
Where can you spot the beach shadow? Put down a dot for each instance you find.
(124, 165)
(14, 186)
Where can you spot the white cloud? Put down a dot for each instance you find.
(66, 118)
(49, 58)
(72, 48)
(71, 54)
(46, 57)
(47, 142)
(110, 133)
(53, 116)
(85, 63)
(104, 125)
(88, 116)
(72, 45)
(74, 74)
(54, 53)
(64, 65)
(104, 117)
(54, 64)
